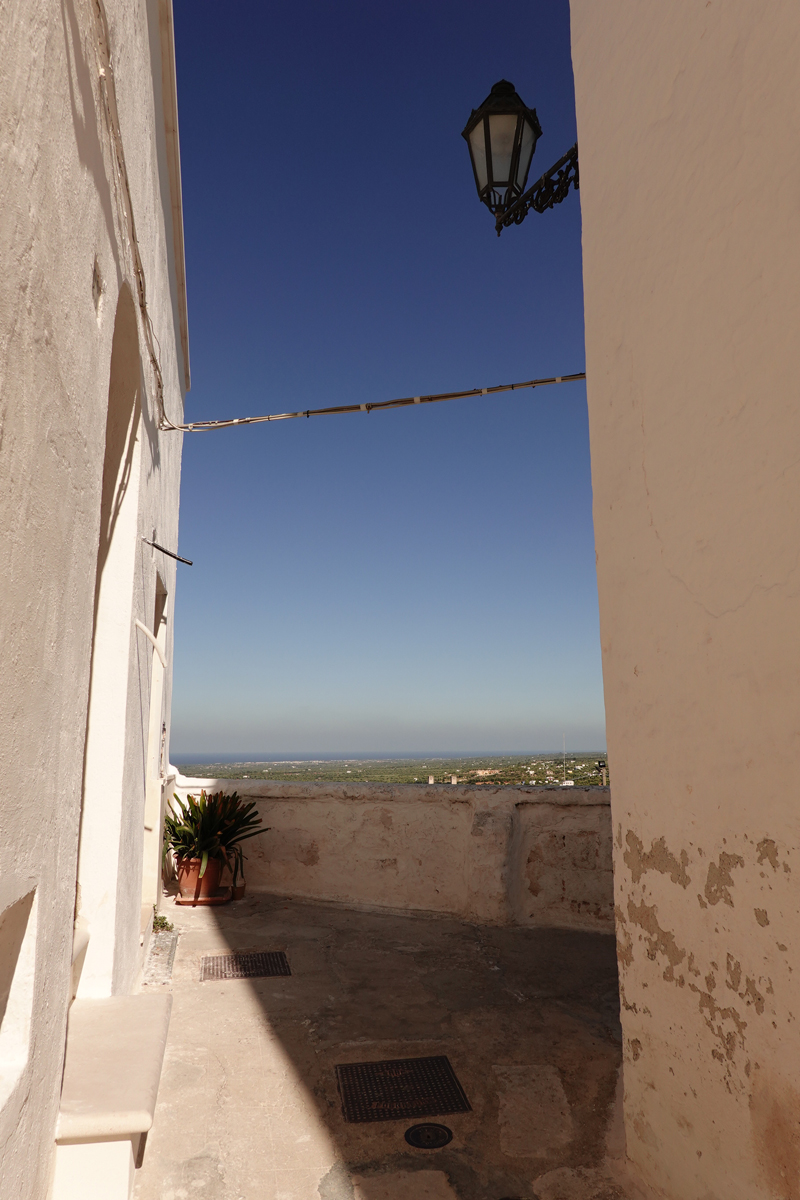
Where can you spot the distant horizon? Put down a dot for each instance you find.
(179, 758)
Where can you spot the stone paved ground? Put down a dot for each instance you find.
(248, 1107)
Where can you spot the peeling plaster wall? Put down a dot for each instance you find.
(688, 124)
(66, 263)
(523, 856)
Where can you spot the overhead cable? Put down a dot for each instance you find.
(108, 91)
(432, 398)
(109, 94)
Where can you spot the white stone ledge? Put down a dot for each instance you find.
(115, 1048)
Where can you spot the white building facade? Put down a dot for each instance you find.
(93, 345)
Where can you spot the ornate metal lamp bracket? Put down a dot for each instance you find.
(552, 188)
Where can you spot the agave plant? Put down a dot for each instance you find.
(241, 822)
(213, 826)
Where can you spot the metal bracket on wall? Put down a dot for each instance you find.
(552, 188)
(164, 550)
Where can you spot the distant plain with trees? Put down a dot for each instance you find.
(514, 769)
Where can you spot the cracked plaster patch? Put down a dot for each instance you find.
(720, 878)
(767, 852)
(657, 858)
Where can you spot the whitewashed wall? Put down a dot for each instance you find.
(688, 123)
(66, 264)
(529, 856)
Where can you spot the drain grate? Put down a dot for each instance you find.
(399, 1089)
(429, 1137)
(246, 965)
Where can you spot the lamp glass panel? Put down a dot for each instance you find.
(502, 127)
(477, 145)
(525, 154)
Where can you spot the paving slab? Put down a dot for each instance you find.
(248, 1107)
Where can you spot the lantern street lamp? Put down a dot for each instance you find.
(502, 136)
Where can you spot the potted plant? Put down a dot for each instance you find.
(241, 822)
(204, 834)
(192, 832)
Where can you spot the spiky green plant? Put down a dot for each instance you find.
(241, 822)
(211, 827)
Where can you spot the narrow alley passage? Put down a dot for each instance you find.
(248, 1105)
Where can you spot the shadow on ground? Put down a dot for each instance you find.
(249, 1108)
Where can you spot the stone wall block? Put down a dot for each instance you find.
(495, 856)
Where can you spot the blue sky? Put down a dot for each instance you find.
(416, 580)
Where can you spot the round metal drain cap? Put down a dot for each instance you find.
(428, 1137)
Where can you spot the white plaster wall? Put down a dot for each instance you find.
(59, 214)
(688, 125)
(463, 850)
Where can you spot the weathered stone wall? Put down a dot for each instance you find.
(529, 856)
(564, 855)
(688, 119)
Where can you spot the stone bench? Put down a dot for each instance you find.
(115, 1049)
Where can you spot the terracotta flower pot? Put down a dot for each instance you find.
(237, 891)
(192, 887)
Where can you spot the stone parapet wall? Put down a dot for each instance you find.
(493, 855)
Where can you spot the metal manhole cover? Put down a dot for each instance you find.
(400, 1088)
(246, 965)
(428, 1137)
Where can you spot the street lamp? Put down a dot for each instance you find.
(502, 136)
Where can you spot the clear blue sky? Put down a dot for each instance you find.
(417, 580)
